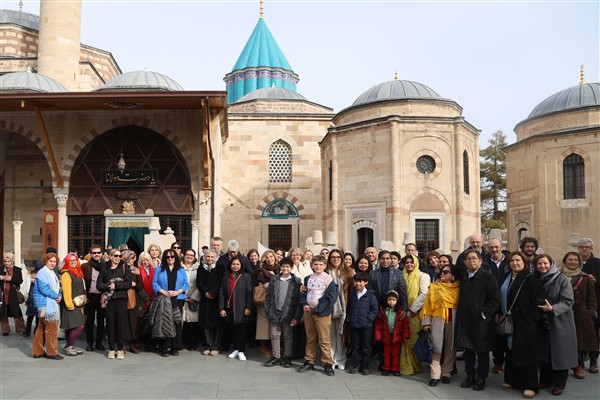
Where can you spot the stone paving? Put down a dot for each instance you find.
(194, 376)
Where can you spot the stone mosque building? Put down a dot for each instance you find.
(94, 155)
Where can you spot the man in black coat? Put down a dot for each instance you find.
(591, 266)
(478, 301)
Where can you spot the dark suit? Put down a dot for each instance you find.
(592, 267)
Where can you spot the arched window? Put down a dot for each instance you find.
(574, 177)
(280, 162)
(466, 184)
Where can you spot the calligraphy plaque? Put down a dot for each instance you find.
(130, 177)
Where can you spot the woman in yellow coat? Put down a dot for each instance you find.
(417, 285)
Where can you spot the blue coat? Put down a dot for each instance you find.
(161, 281)
(361, 313)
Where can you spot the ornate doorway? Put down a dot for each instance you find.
(143, 150)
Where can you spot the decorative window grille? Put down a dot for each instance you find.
(280, 162)
(574, 177)
(427, 235)
(466, 184)
(85, 231)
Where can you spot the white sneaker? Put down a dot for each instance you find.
(206, 352)
(234, 354)
(214, 353)
(120, 355)
(242, 356)
(111, 354)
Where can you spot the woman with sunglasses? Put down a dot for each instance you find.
(71, 316)
(170, 280)
(438, 315)
(114, 281)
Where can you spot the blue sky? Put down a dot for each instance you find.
(498, 60)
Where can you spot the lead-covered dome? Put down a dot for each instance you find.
(141, 80)
(272, 93)
(396, 89)
(582, 95)
(29, 82)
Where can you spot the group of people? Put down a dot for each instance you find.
(379, 303)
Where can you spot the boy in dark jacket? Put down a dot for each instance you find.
(284, 311)
(392, 328)
(360, 314)
(317, 302)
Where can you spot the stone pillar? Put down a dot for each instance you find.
(59, 43)
(61, 195)
(4, 138)
(17, 237)
(196, 236)
(204, 219)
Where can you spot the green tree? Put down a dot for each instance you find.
(493, 183)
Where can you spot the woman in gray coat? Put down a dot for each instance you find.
(557, 338)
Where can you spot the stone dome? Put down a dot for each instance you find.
(29, 82)
(274, 93)
(396, 89)
(582, 95)
(21, 18)
(141, 80)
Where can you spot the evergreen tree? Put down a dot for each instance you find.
(493, 183)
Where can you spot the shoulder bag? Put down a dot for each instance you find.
(505, 323)
(82, 299)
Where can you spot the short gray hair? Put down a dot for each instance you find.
(585, 240)
(233, 245)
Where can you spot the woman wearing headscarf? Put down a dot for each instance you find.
(522, 289)
(114, 281)
(557, 338)
(417, 284)
(72, 319)
(584, 308)
(438, 315)
(46, 297)
(11, 278)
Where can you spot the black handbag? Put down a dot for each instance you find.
(505, 323)
(423, 347)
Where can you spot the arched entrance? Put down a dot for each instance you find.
(91, 191)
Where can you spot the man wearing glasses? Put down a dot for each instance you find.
(591, 266)
(93, 311)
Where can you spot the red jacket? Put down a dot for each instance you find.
(382, 330)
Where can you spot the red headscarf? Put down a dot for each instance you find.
(77, 271)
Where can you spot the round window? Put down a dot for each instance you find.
(426, 164)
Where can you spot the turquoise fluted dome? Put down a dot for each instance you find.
(260, 65)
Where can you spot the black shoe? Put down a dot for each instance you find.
(366, 370)
(380, 367)
(100, 347)
(328, 369)
(355, 370)
(433, 382)
(5, 334)
(467, 383)
(287, 362)
(89, 347)
(273, 361)
(164, 353)
(25, 335)
(39, 355)
(385, 372)
(55, 357)
(307, 366)
(396, 373)
(479, 385)
(445, 379)
(174, 353)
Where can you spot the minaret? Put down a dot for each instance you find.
(59, 42)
